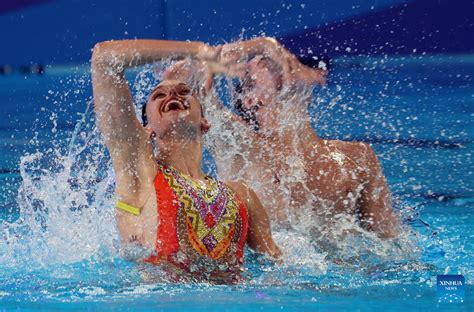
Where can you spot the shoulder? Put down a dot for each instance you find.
(244, 192)
(240, 188)
(360, 156)
(360, 152)
(349, 147)
(364, 155)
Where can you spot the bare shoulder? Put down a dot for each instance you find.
(351, 148)
(360, 152)
(240, 188)
(245, 193)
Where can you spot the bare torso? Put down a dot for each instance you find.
(327, 180)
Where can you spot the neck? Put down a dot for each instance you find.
(294, 134)
(183, 154)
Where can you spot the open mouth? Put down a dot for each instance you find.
(174, 105)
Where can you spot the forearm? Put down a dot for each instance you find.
(251, 48)
(260, 235)
(292, 70)
(122, 54)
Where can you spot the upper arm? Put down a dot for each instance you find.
(123, 134)
(376, 209)
(259, 236)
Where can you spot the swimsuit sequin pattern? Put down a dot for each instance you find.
(200, 228)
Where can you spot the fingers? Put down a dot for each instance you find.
(294, 71)
(213, 68)
(314, 76)
(320, 76)
(216, 53)
(209, 53)
(289, 66)
(236, 48)
(208, 81)
(228, 62)
(231, 56)
(236, 70)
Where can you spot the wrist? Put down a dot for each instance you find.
(204, 51)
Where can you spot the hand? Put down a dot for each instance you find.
(213, 68)
(231, 62)
(313, 76)
(217, 61)
(209, 53)
(293, 70)
(230, 69)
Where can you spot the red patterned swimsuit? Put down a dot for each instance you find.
(201, 230)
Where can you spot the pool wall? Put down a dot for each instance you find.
(62, 32)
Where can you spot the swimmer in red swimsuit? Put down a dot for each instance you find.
(186, 221)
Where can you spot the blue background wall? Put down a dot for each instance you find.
(64, 31)
(414, 27)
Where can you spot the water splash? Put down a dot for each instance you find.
(66, 214)
(64, 202)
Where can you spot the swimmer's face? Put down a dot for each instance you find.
(261, 83)
(173, 109)
(261, 86)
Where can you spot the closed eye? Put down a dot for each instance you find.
(184, 92)
(159, 95)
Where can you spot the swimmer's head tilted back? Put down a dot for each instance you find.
(185, 71)
(144, 109)
(174, 110)
(260, 86)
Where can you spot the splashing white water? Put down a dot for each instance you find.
(65, 201)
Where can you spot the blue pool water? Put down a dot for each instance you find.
(58, 241)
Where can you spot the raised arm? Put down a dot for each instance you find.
(112, 96)
(375, 204)
(124, 136)
(293, 70)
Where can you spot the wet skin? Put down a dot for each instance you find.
(176, 126)
(298, 175)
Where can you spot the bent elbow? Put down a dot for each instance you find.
(269, 42)
(104, 57)
(98, 53)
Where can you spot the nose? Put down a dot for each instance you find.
(248, 102)
(172, 92)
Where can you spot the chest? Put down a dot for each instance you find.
(206, 220)
(329, 183)
(189, 224)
